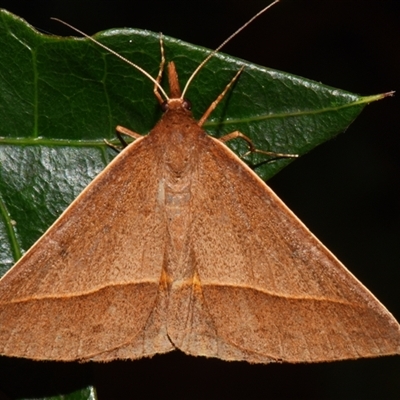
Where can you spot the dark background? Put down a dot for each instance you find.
(346, 191)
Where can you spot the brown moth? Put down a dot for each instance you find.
(178, 244)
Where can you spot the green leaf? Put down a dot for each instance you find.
(60, 97)
(88, 393)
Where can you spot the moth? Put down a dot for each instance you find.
(178, 244)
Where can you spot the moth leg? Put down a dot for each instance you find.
(252, 148)
(125, 131)
(160, 72)
(119, 131)
(218, 99)
(112, 146)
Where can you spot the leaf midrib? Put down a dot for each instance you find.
(38, 141)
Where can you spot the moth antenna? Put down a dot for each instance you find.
(115, 54)
(223, 44)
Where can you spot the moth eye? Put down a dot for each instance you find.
(164, 106)
(187, 104)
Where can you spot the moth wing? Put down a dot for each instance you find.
(90, 287)
(265, 289)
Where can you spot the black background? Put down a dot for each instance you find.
(346, 191)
